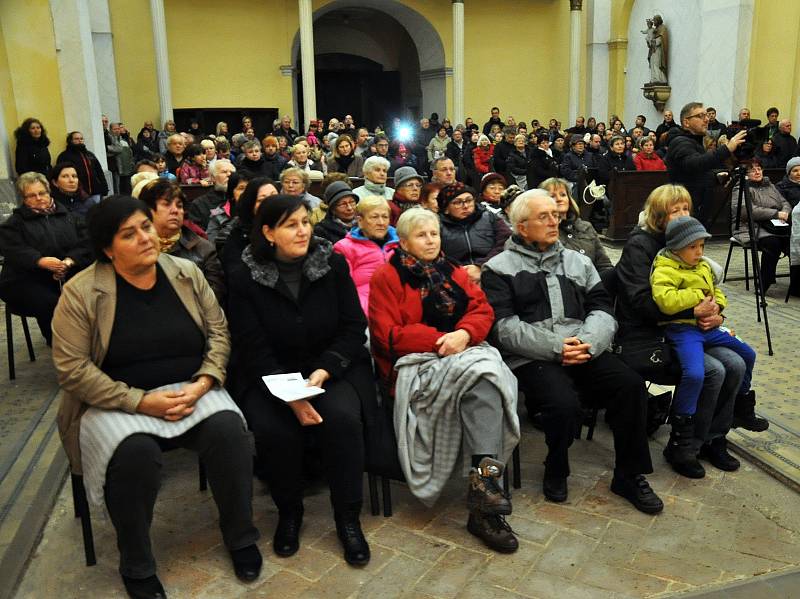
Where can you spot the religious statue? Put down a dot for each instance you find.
(656, 39)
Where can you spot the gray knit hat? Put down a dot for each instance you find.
(792, 163)
(684, 230)
(405, 173)
(336, 192)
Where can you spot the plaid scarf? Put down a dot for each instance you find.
(443, 300)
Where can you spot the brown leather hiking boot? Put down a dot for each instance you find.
(494, 531)
(485, 494)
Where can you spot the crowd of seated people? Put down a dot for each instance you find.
(466, 276)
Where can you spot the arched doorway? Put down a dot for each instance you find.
(374, 59)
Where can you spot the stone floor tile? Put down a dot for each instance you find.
(308, 562)
(673, 567)
(680, 507)
(176, 574)
(667, 533)
(283, 584)
(772, 549)
(543, 585)
(418, 546)
(603, 502)
(565, 554)
(454, 532)
(343, 580)
(532, 530)
(479, 589)
(395, 579)
(621, 580)
(506, 570)
(452, 573)
(591, 525)
(618, 545)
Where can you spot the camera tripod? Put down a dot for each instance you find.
(745, 197)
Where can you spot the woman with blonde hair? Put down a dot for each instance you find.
(639, 318)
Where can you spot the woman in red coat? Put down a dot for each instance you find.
(422, 304)
(646, 159)
(482, 155)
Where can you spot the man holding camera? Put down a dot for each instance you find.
(690, 165)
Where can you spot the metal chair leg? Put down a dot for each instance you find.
(201, 474)
(12, 374)
(28, 341)
(374, 504)
(516, 467)
(387, 497)
(591, 425)
(79, 492)
(727, 262)
(746, 271)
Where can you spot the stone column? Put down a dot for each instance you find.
(574, 56)
(7, 198)
(78, 73)
(307, 59)
(597, 59)
(103, 42)
(162, 59)
(458, 62)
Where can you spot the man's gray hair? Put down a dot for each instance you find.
(686, 110)
(521, 210)
(212, 170)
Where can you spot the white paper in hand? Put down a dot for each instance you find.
(778, 222)
(290, 387)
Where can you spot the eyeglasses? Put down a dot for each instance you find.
(347, 204)
(545, 217)
(33, 196)
(703, 116)
(412, 185)
(463, 203)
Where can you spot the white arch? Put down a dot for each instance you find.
(426, 39)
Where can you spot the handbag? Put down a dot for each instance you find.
(646, 352)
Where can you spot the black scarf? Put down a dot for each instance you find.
(343, 162)
(444, 302)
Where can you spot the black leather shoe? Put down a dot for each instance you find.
(637, 490)
(555, 488)
(356, 548)
(716, 452)
(144, 588)
(247, 563)
(286, 541)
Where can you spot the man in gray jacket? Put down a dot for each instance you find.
(553, 325)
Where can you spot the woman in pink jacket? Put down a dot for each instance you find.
(368, 245)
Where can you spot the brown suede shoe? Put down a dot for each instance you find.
(485, 494)
(494, 531)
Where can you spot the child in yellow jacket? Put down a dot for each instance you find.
(682, 280)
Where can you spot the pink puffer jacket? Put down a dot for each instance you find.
(364, 256)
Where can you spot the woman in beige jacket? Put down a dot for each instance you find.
(140, 346)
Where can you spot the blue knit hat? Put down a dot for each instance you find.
(684, 230)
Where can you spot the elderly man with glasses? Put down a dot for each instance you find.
(554, 324)
(690, 165)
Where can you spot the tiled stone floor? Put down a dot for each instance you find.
(724, 528)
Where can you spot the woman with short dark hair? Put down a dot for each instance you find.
(294, 309)
(140, 348)
(66, 189)
(90, 172)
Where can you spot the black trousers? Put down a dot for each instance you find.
(771, 248)
(35, 296)
(605, 381)
(280, 444)
(134, 475)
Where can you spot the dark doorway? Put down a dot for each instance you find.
(348, 84)
(209, 117)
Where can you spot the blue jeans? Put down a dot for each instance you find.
(690, 343)
(724, 371)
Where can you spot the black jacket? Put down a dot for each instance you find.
(487, 126)
(517, 162)
(689, 164)
(32, 156)
(474, 239)
(26, 236)
(610, 162)
(541, 166)
(273, 166)
(274, 332)
(664, 127)
(571, 163)
(199, 210)
(257, 167)
(500, 157)
(90, 172)
(454, 153)
(636, 308)
(289, 135)
(203, 253)
(330, 229)
(789, 190)
(784, 147)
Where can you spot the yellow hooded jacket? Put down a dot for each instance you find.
(677, 286)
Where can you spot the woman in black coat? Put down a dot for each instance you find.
(90, 172)
(614, 160)
(257, 191)
(293, 308)
(32, 154)
(542, 165)
(43, 245)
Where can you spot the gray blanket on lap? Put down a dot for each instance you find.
(427, 416)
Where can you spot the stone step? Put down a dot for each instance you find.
(30, 480)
